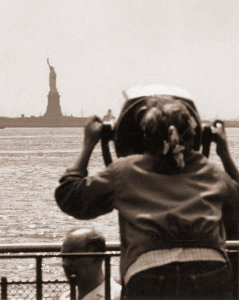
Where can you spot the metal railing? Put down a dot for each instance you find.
(40, 251)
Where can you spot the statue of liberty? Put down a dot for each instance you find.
(52, 78)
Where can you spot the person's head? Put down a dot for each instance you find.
(168, 129)
(83, 240)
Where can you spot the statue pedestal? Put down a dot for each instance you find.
(53, 108)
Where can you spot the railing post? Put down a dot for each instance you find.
(73, 287)
(4, 288)
(107, 278)
(39, 277)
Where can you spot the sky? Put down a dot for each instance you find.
(101, 47)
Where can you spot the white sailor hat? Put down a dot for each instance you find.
(156, 90)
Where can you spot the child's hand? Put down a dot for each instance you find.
(93, 131)
(219, 137)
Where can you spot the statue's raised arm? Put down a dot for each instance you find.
(48, 62)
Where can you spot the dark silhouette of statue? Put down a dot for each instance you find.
(53, 110)
(52, 78)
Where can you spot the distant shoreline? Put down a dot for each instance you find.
(43, 121)
(228, 123)
(64, 121)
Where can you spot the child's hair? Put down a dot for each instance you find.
(168, 130)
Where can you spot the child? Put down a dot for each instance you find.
(170, 201)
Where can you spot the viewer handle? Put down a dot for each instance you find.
(107, 136)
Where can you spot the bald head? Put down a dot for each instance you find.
(86, 270)
(83, 239)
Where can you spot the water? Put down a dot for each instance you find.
(32, 161)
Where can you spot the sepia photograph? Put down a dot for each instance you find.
(119, 149)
